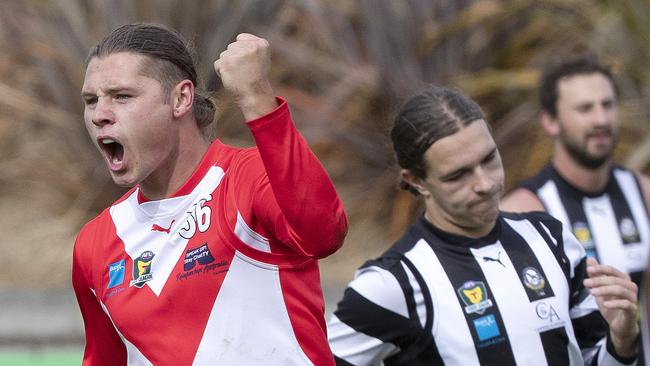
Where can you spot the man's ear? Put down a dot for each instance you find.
(182, 98)
(415, 182)
(549, 123)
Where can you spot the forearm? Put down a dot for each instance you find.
(300, 184)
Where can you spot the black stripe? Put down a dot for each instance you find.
(572, 199)
(531, 274)
(589, 329)
(557, 248)
(555, 343)
(578, 290)
(341, 362)
(371, 319)
(622, 212)
(425, 343)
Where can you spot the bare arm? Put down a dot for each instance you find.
(521, 200)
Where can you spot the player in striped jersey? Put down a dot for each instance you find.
(469, 285)
(601, 203)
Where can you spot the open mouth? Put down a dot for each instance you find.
(113, 151)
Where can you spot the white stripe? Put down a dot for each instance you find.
(374, 279)
(604, 229)
(133, 355)
(418, 296)
(249, 236)
(551, 198)
(250, 310)
(449, 328)
(356, 347)
(556, 280)
(637, 255)
(514, 306)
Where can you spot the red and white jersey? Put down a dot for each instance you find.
(225, 271)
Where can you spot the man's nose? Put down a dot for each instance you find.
(102, 113)
(483, 182)
(603, 116)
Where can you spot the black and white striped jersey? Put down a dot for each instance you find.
(513, 297)
(613, 225)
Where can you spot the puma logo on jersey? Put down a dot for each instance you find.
(497, 259)
(156, 227)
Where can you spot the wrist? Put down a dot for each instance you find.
(624, 346)
(257, 102)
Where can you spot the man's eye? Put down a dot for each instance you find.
(453, 178)
(122, 96)
(90, 101)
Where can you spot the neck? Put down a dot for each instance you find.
(190, 148)
(585, 179)
(452, 228)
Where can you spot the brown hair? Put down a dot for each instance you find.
(168, 59)
(425, 118)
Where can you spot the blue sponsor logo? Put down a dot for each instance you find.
(486, 327)
(116, 273)
(200, 255)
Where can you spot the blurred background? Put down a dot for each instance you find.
(344, 65)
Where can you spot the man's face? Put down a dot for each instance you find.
(128, 117)
(587, 116)
(464, 181)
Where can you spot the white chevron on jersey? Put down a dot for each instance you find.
(227, 340)
(133, 226)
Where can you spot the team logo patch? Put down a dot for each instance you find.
(582, 233)
(474, 295)
(533, 279)
(629, 233)
(486, 327)
(116, 273)
(142, 269)
(200, 255)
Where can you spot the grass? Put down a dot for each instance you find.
(41, 356)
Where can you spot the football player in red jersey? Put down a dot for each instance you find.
(211, 256)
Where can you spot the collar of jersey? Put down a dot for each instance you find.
(577, 191)
(454, 240)
(152, 208)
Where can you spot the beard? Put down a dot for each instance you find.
(578, 152)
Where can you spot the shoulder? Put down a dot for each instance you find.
(521, 200)
(644, 183)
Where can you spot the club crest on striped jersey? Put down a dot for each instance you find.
(534, 280)
(583, 234)
(629, 233)
(474, 295)
(142, 269)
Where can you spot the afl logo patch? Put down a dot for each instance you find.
(142, 269)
